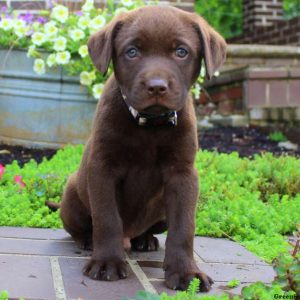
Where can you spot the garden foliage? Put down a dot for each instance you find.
(255, 202)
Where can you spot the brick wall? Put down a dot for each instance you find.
(261, 13)
(36, 5)
(280, 33)
(264, 24)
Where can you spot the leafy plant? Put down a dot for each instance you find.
(226, 16)
(287, 267)
(277, 136)
(4, 295)
(291, 8)
(233, 283)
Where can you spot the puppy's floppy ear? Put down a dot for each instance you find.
(213, 45)
(100, 44)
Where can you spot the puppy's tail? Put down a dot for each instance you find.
(53, 205)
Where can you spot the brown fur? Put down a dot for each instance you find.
(135, 181)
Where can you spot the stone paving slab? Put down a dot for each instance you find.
(46, 264)
(224, 251)
(40, 247)
(79, 286)
(28, 278)
(34, 233)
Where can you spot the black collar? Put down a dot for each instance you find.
(151, 120)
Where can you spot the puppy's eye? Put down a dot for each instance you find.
(132, 52)
(181, 52)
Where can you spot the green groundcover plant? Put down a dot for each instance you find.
(255, 202)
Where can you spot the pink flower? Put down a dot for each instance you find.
(2, 169)
(19, 181)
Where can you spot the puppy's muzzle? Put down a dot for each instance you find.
(157, 87)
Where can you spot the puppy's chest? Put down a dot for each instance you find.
(140, 198)
(141, 184)
(145, 164)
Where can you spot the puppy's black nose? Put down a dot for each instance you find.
(157, 86)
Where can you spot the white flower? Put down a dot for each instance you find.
(83, 51)
(84, 22)
(97, 90)
(60, 13)
(31, 51)
(50, 29)
(97, 23)
(120, 10)
(127, 2)
(51, 60)
(88, 6)
(60, 44)
(87, 78)
(63, 58)
(203, 71)
(38, 38)
(197, 91)
(21, 31)
(76, 34)
(39, 66)
(36, 26)
(6, 24)
(217, 73)
(17, 24)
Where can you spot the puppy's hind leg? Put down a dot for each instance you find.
(75, 216)
(147, 241)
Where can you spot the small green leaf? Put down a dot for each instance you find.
(233, 283)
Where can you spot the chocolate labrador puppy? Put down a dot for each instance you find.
(137, 174)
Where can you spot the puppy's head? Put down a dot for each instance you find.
(157, 54)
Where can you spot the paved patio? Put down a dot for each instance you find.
(46, 264)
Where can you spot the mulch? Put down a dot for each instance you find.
(247, 141)
(21, 154)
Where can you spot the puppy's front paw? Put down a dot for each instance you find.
(179, 278)
(107, 270)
